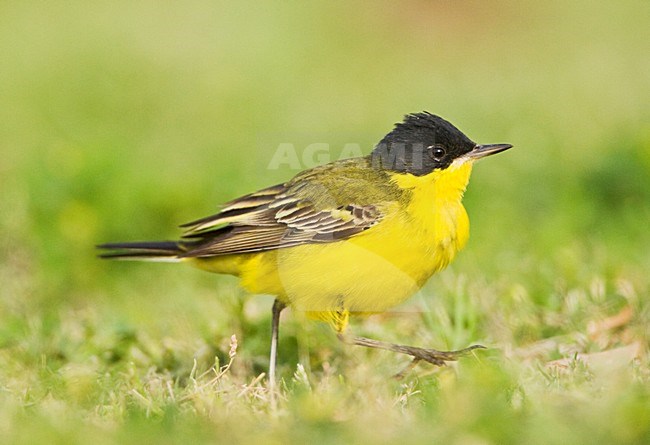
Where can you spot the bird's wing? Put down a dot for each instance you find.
(314, 207)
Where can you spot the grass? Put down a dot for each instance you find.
(122, 120)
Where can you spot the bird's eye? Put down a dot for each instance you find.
(439, 152)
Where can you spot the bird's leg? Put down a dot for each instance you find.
(432, 356)
(275, 333)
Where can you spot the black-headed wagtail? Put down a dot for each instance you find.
(356, 236)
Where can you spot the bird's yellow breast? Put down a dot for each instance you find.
(372, 271)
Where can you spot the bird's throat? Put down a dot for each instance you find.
(439, 187)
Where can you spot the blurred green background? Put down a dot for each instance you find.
(120, 120)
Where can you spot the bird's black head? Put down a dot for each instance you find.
(420, 144)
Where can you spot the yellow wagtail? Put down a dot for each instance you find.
(356, 236)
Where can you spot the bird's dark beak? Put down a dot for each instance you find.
(481, 151)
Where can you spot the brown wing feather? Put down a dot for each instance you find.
(238, 209)
(317, 206)
(268, 227)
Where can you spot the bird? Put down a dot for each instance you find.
(353, 237)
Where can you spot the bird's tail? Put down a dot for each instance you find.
(143, 251)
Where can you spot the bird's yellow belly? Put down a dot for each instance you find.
(371, 272)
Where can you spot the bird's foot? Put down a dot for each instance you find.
(435, 357)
